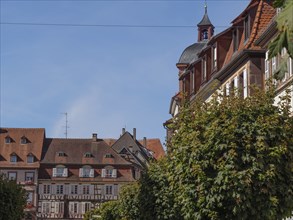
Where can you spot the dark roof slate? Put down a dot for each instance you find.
(190, 54)
(205, 21)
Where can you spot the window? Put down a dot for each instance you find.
(73, 207)
(59, 189)
(12, 175)
(235, 40)
(74, 189)
(29, 176)
(86, 189)
(86, 206)
(47, 189)
(227, 89)
(30, 158)
(86, 171)
(204, 69)
(7, 140)
(109, 172)
(59, 207)
(61, 154)
(192, 86)
(29, 198)
(243, 84)
(88, 155)
(267, 63)
(60, 171)
(204, 34)
(214, 64)
(23, 140)
(108, 156)
(246, 28)
(46, 207)
(109, 189)
(13, 158)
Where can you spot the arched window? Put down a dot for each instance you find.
(205, 35)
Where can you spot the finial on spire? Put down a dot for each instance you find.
(205, 6)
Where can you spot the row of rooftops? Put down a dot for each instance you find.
(73, 151)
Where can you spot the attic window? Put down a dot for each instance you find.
(108, 156)
(7, 140)
(13, 158)
(30, 158)
(235, 40)
(246, 27)
(23, 140)
(61, 154)
(88, 155)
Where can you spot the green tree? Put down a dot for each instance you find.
(12, 199)
(284, 20)
(233, 159)
(107, 211)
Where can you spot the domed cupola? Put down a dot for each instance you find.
(205, 27)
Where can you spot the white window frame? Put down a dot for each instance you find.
(245, 83)
(13, 158)
(30, 158)
(74, 189)
(29, 176)
(59, 189)
(109, 189)
(46, 207)
(12, 175)
(46, 189)
(86, 189)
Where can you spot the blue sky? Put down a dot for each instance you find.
(105, 78)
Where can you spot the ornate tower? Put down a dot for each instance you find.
(205, 27)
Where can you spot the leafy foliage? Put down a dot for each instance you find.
(228, 159)
(233, 159)
(107, 211)
(12, 199)
(285, 27)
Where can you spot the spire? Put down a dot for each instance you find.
(205, 26)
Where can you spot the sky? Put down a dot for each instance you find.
(107, 64)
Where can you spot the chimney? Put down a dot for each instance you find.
(123, 131)
(145, 142)
(95, 137)
(134, 133)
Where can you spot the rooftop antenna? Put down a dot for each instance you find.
(66, 124)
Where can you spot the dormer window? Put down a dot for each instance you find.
(23, 140)
(61, 154)
(246, 27)
(109, 172)
(214, 64)
(30, 158)
(13, 158)
(7, 140)
(60, 171)
(204, 69)
(235, 40)
(108, 156)
(88, 155)
(86, 171)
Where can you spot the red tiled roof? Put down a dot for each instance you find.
(156, 147)
(35, 139)
(75, 149)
